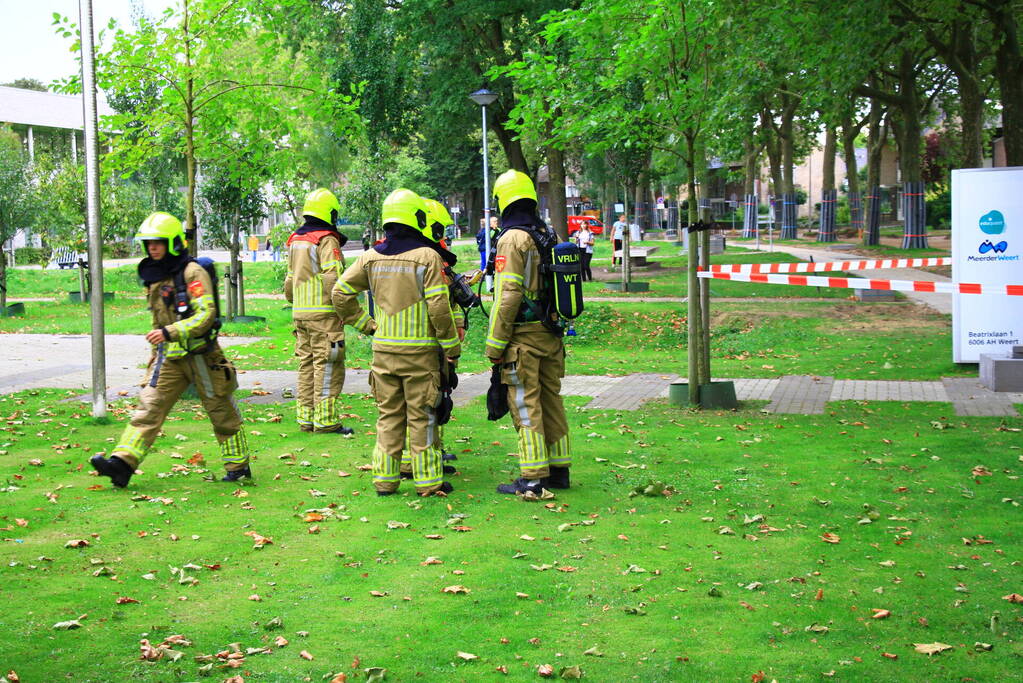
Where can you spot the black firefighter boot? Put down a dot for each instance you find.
(558, 478)
(235, 475)
(522, 485)
(118, 470)
(336, 429)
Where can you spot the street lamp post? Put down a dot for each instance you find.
(99, 367)
(484, 97)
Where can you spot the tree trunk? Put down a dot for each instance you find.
(911, 126)
(608, 201)
(190, 170)
(510, 144)
(232, 278)
(970, 95)
(694, 319)
(849, 133)
(828, 171)
(750, 158)
(3, 280)
(877, 134)
(556, 191)
(1009, 72)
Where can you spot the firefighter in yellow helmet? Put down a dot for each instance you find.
(528, 350)
(437, 219)
(314, 264)
(181, 295)
(413, 333)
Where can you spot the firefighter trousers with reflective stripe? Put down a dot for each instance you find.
(320, 348)
(534, 363)
(215, 380)
(406, 387)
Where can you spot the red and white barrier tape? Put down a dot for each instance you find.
(829, 266)
(862, 283)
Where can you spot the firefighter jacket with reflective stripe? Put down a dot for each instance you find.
(314, 264)
(516, 275)
(410, 301)
(188, 334)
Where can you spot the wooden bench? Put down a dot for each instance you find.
(637, 255)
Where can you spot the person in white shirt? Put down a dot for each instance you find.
(584, 239)
(617, 236)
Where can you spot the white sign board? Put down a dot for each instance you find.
(619, 208)
(987, 248)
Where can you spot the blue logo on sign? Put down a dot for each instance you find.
(986, 246)
(992, 223)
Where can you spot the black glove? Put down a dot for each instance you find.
(497, 395)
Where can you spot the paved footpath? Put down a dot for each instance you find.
(31, 361)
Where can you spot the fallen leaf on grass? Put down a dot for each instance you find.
(889, 655)
(983, 647)
(259, 540)
(571, 673)
(67, 625)
(467, 656)
(125, 601)
(340, 678)
(21, 522)
(304, 654)
(521, 596)
(77, 543)
(458, 588)
(35, 462)
(393, 524)
(280, 641)
(981, 471)
(312, 517)
(545, 670)
(931, 649)
(234, 679)
(566, 568)
(880, 613)
(593, 652)
(461, 527)
(431, 560)
(829, 537)
(433, 537)
(375, 674)
(274, 624)
(379, 594)
(1013, 597)
(255, 598)
(502, 669)
(364, 468)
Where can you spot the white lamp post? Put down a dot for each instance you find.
(484, 97)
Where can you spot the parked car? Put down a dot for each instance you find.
(576, 222)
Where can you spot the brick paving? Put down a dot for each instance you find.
(971, 398)
(801, 394)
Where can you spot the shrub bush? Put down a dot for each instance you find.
(27, 256)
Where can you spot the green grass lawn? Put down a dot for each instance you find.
(728, 576)
(844, 339)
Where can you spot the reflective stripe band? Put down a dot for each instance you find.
(559, 452)
(131, 442)
(496, 343)
(421, 341)
(361, 322)
(345, 287)
(448, 343)
(386, 477)
(514, 277)
(312, 309)
(435, 291)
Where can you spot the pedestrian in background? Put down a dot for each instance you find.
(584, 240)
(617, 235)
